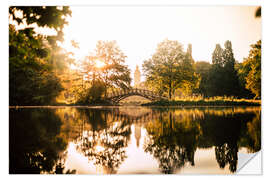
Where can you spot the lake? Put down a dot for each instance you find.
(131, 139)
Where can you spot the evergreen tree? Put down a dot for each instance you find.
(223, 79)
(217, 58)
(231, 82)
(216, 85)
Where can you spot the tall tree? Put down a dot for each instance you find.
(258, 12)
(169, 68)
(231, 82)
(217, 58)
(223, 79)
(216, 73)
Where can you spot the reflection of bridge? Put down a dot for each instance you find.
(116, 97)
(144, 118)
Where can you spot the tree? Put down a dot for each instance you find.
(223, 79)
(42, 16)
(230, 79)
(252, 69)
(106, 65)
(217, 58)
(202, 68)
(216, 73)
(33, 57)
(169, 68)
(243, 91)
(31, 81)
(258, 12)
(96, 91)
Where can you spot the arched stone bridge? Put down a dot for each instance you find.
(116, 97)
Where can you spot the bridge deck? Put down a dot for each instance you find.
(118, 96)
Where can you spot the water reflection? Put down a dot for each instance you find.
(103, 144)
(35, 144)
(170, 137)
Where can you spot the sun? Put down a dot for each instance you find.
(99, 63)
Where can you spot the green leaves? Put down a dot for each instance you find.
(169, 68)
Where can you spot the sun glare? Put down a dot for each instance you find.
(99, 64)
(99, 148)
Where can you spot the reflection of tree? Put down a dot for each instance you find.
(105, 146)
(227, 154)
(224, 132)
(254, 133)
(34, 144)
(173, 141)
(170, 157)
(176, 135)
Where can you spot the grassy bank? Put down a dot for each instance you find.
(206, 102)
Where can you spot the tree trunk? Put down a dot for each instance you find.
(170, 91)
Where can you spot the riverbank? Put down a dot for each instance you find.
(206, 102)
(189, 102)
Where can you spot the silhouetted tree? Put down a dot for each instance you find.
(230, 74)
(258, 12)
(216, 74)
(223, 79)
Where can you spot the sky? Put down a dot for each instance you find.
(138, 29)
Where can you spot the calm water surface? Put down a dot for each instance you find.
(131, 140)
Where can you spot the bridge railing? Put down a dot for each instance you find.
(133, 91)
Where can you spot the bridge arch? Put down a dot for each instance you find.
(116, 97)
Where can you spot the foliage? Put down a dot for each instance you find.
(34, 58)
(169, 68)
(95, 93)
(243, 91)
(251, 70)
(202, 68)
(223, 79)
(213, 101)
(42, 16)
(31, 81)
(113, 74)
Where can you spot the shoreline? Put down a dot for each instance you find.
(153, 104)
(203, 103)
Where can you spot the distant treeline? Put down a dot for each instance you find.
(173, 72)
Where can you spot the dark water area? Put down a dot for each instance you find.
(131, 140)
